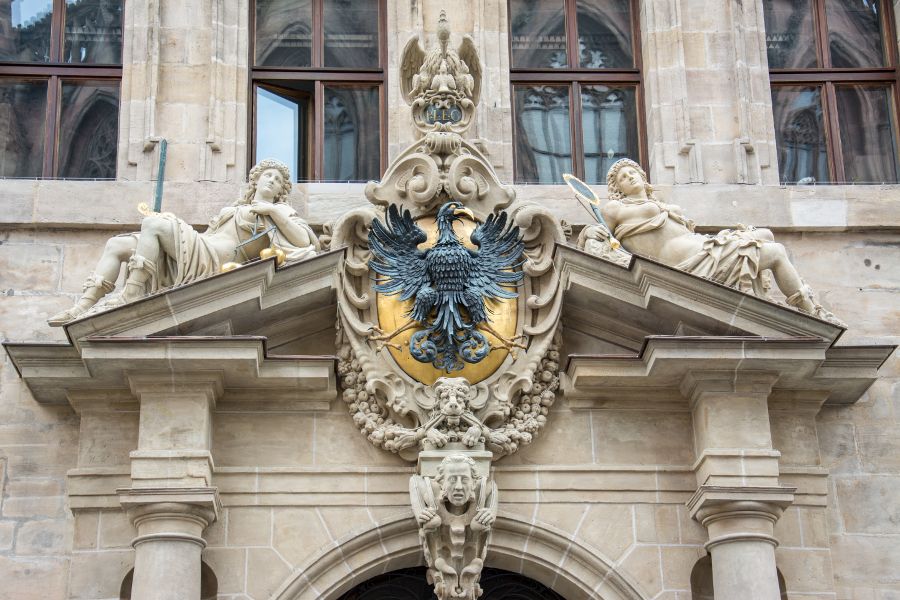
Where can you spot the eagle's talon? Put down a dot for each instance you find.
(380, 346)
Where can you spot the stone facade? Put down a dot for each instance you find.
(605, 503)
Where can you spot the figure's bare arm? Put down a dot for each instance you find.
(610, 212)
(288, 225)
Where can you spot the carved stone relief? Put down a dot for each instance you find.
(745, 258)
(448, 332)
(167, 252)
(455, 510)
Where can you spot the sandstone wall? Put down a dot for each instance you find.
(299, 486)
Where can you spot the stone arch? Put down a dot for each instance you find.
(539, 551)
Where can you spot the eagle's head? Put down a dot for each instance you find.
(452, 211)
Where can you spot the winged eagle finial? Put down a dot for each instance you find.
(424, 75)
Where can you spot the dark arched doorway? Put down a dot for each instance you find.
(410, 584)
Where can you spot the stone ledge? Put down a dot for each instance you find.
(59, 203)
(95, 488)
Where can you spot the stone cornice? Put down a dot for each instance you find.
(107, 365)
(798, 365)
(95, 487)
(36, 202)
(246, 292)
(663, 298)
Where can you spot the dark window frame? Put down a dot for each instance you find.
(575, 77)
(54, 72)
(829, 77)
(320, 77)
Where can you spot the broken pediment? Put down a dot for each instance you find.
(629, 332)
(636, 333)
(265, 334)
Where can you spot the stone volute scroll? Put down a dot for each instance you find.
(448, 332)
(167, 252)
(745, 258)
(443, 87)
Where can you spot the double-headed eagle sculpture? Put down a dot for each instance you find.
(450, 283)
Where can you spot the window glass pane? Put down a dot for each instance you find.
(351, 33)
(352, 134)
(800, 134)
(283, 33)
(538, 34)
(93, 31)
(604, 34)
(25, 31)
(88, 129)
(790, 37)
(609, 122)
(855, 38)
(868, 134)
(280, 128)
(543, 141)
(23, 106)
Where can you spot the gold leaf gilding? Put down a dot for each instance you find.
(392, 314)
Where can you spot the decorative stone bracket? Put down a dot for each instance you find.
(454, 501)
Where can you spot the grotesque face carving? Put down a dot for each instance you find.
(456, 475)
(452, 397)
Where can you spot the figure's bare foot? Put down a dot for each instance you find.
(805, 300)
(63, 317)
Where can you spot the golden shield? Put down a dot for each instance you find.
(393, 314)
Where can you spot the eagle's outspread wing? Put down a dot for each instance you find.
(396, 258)
(499, 253)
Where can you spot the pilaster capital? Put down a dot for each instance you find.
(733, 514)
(193, 506)
(157, 383)
(696, 383)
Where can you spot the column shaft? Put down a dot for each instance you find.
(745, 570)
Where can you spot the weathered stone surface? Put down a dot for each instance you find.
(608, 527)
(44, 537)
(298, 534)
(99, 574)
(229, 565)
(249, 526)
(266, 570)
(34, 578)
(262, 440)
(86, 530)
(870, 505)
(705, 85)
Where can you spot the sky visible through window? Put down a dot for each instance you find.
(277, 127)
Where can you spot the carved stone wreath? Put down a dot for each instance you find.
(400, 414)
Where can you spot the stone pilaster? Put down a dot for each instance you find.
(192, 93)
(740, 523)
(175, 429)
(169, 540)
(739, 497)
(708, 99)
(171, 500)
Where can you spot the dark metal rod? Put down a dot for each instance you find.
(160, 175)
